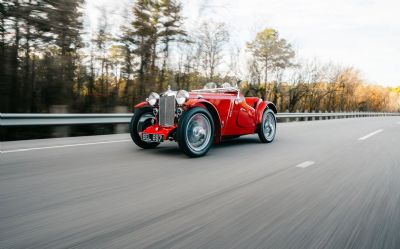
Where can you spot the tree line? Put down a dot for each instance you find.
(46, 61)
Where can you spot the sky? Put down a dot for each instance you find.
(364, 34)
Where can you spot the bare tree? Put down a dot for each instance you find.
(211, 40)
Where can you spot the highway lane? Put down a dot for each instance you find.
(104, 192)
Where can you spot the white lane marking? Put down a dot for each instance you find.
(370, 134)
(64, 146)
(305, 164)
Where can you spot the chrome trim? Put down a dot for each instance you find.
(166, 113)
(219, 90)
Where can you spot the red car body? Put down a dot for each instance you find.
(233, 114)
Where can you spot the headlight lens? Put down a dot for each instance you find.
(181, 97)
(152, 99)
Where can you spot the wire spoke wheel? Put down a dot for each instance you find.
(195, 132)
(198, 132)
(267, 128)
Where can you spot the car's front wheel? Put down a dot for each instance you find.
(195, 132)
(140, 121)
(267, 128)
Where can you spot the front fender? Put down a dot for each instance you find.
(204, 103)
(142, 104)
(195, 102)
(212, 109)
(261, 107)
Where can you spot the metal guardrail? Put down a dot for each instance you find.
(24, 119)
(334, 114)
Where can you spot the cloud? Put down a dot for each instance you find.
(360, 33)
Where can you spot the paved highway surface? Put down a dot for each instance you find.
(321, 184)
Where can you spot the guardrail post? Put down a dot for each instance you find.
(297, 118)
(287, 119)
(313, 117)
(60, 131)
(120, 128)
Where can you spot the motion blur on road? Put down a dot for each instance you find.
(322, 184)
(75, 68)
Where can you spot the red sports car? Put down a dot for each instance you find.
(199, 118)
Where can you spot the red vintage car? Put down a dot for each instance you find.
(199, 118)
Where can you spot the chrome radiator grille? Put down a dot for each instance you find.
(167, 111)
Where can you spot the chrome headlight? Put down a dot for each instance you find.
(181, 97)
(153, 98)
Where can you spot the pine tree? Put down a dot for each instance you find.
(171, 31)
(65, 24)
(155, 24)
(144, 37)
(273, 53)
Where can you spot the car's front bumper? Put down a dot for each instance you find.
(166, 132)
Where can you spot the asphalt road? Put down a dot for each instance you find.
(321, 184)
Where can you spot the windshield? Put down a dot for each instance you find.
(210, 86)
(214, 87)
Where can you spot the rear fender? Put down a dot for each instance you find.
(261, 107)
(213, 111)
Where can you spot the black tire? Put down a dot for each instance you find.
(266, 132)
(140, 121)
(195, 132)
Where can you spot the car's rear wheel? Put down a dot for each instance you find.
(195, 132)
(140, 121)
(267, 128)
